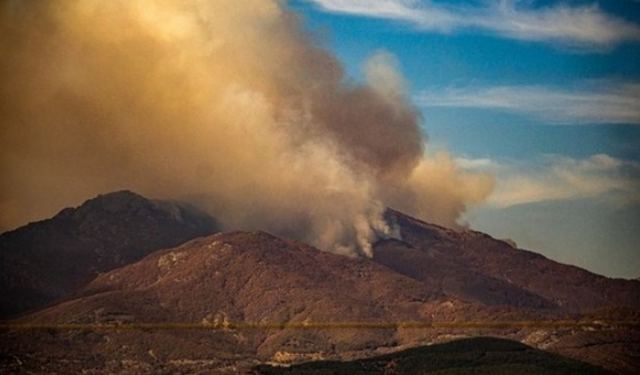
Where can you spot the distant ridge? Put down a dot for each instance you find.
(252, 286)
(53, 258)
(474, 266)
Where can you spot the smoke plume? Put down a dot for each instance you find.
(226, 103)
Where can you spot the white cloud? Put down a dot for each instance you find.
(594, 103)
(424, 16)
(484, 164)
(585, 26)
(560, 178)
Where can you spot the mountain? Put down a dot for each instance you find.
(54, 258)
(474, 266)
(182, 309)
(255, 277)
(482, 355)
(236, 277)
(251, 277)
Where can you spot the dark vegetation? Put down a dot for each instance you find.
(482, 355)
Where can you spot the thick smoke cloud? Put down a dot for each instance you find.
(226, 103)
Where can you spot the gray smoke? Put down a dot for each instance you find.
(225, 103)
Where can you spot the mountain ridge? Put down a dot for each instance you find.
(545, 282)
(431, 274)
(53, 258)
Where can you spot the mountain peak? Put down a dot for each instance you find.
(111, 202)
(148, 274)
(53, 258)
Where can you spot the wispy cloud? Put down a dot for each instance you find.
(555, 178)
(426, 16)
(594, 103)
(584, 26)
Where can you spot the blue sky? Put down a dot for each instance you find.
(544, 95)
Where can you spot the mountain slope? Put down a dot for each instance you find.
(474, 266)
(252, 277)
(53, 258)
(236, 277)
(432, 275)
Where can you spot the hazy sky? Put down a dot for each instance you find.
(543, 94)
